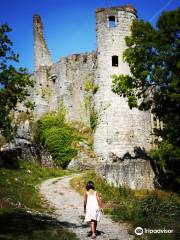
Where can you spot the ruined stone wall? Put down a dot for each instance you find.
(132, 173)
(122, 134)
(42, 56)
(64, 80)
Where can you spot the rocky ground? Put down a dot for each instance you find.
(68, 206)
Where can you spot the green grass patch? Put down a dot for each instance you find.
(19, 187)
(148, 209)
(22, 210)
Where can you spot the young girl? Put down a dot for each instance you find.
(92, 207)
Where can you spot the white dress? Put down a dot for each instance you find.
(92, 208)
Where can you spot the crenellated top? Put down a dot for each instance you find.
(126, 8)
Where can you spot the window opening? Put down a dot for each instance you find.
(112, 22)
(115, 61)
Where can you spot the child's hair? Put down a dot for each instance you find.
(90, 185)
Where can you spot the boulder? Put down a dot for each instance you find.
(23, 150)
(83, 162)
(131, 173)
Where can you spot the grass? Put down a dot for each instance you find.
(148, 209)
(23, 213)
(18, 187)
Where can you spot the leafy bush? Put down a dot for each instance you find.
(89, 86)
(90, 89)
(58, 141)
(60, 138)
(93, 119)
(89, 107)
(57, 137)
(167, 157)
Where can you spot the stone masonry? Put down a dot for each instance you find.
(122, 135)
(42, 56)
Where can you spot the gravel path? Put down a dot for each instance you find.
(68, 206)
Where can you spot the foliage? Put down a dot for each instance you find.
(93, 118)
(45, 92)
(13, 84)
(153, 210)
(59, 137)
(167, 158)
(154, 60)
(90, 89)
(19, 193)
(93, 114)
(2, 141)
(89, 86)
(23, 116)
(18, 186)
(87, 102)
(59, 142)
(84, 132)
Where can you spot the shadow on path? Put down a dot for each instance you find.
(20, 225)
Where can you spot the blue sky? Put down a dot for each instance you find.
(69, 25)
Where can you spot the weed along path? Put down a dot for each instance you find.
(68, 206)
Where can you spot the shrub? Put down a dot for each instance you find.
(57, 137)
(93, 119)
(89, 107)
(167, 157)
(89, 86)
(60, 138)
(58, 141)
(90, 89)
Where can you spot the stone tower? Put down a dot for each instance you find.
(121, 133)
(42, 56)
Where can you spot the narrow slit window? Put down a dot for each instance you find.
(115, 61)
(112, 22)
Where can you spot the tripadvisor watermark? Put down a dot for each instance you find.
(139, 231)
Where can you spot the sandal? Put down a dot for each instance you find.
(89, 234)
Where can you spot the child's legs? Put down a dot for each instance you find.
(93, 227)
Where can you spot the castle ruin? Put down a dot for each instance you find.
(122, 134)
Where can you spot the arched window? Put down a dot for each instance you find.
(112, 21)
(115, 61)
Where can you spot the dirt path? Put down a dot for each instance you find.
(68, 206)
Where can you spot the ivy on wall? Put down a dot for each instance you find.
(90, 89)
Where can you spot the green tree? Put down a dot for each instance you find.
(14, 84)
(153, 54)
